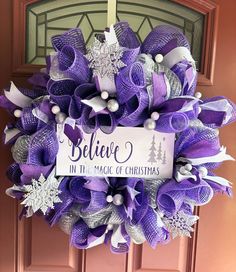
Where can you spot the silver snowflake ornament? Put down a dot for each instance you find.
(105, 59)
(180, 224)
(42, 194)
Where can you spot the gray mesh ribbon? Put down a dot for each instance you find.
(108, 215)
(136, 233)
(20, 149)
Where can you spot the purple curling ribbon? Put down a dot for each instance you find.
(171, 195)
(74, 64)
(219, 188)
(35, 117)
(92, 199)
(32, 171)
(129, 55)
(130, 81)
(91, 121)
(187, 76)
(28, 123)
(135, 110)
(43, 147)
(39, 80)
(197, 143)
(82, 236)
(73, 37)
(6, 104)
(14, 173)
(159, 90)
(217, 112)
(120, 240)
(61, 92)
(153, 228)
(54, 215)
(172, 122)
(162, 39)
(175, 114)
(41, 154)
(125, 35)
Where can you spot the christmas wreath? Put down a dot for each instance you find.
(117, 83)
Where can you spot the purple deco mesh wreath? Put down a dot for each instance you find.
(116, 82)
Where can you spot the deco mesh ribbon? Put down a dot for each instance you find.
(117, 81)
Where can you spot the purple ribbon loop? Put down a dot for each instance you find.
(162, 39)
(106, 121)
(154, 233)
(135, 110)
(78, 191)
(73, 37)
(61, 92)
(43, 147)
(96, 203)
(172, 122)
(171, 195)
(14, 173)
(63, 207)
(130, 81)
(125, 35)
(84, 91)
(40, 80)
(159, 90)
(197, 143)
(82, 236)
(130, 55)
(187, 76)
(217, 112)
(74, 64)
(30, 171)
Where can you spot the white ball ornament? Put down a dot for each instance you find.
(149, 124)
(159, 58)
(155, 116)
(198, 95)
(109, 198)
(118, 199)
(203, 171)
(104, 95)
(112, 105)
(109, 227)
(188, 167)
(60, 117)
(55, 109)
(183, 170)
(17, 113)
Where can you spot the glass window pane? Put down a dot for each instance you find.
(51, 17)
(143, 16)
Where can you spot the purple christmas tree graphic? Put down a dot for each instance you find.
(152, 153)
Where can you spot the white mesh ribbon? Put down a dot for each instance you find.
(17, 97)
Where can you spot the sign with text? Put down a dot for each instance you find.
(127, 152)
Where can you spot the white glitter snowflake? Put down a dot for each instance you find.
(42, 194)
(180, 224)
(105, 59)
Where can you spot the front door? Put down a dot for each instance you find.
(26, 27)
